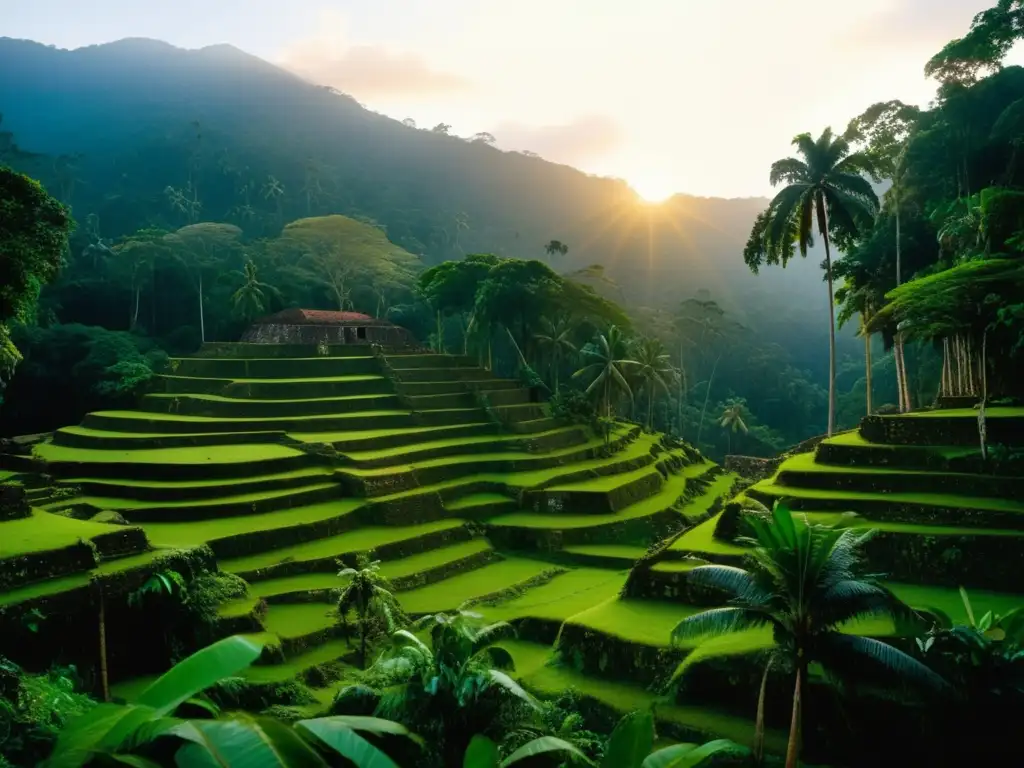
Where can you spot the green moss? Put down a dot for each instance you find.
(961, 413)
(700, 540)
(78, 580)
(948, 600)
(203, 531)
(617, 551)
(359, 540)
(43, 531)
(364, 434)
(449, 594)
(605, 483)
(853, 439)
(841, 518)
(230, 485)
(476, 500)
(331, 651)
(433, 558)
(220, 454)
(127, 505)
(925, 499)
(293, 620)
(564, 596)
(641, 621)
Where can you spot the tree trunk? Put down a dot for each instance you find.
(104, 678)
(440, 345)
(759, 722)
(867, 370)
(728, 442)
(202, 322)
(135, 311)
(793, 749)
(650, 406)
(707, 393)
(679, 404)
(822, 214)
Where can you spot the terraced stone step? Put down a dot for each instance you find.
(240, 536)
(167, 464)
(477, 506)
(640, 523)
(616, 556)
(433, 374)
(160, 423)
(539, 673)
(496, 397)
(945, 427)
(598, 496)
(805, 471)
(404, 573)
(302, 626)
(322, 555)
(564, 437)
(449, 594)
(538, 613)
(376, 481)
(850, 449)
(225, 506)
(402, 362)
(74, 588)
(421, 388)
(948, 556)
(99, 439)
(200, 490)
(46, 546)
(300, 665)
(247, 350)
(218, 406)
(933, 508)
(374, 440)
(279, 389)
(700, 542)
(271, 368)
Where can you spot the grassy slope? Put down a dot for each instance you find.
(214, 454)
(449, 594)
(43, 531)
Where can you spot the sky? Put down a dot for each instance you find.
(692, 96)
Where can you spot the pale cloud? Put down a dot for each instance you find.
(579, 142)
(369, 72)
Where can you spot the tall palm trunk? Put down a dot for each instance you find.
(795, 735)
(650, 407)
(202, 321)
(707, 393)
(759, 721)
(823, 228)
(867, 369)
(104, 677)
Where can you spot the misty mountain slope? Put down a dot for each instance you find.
(145, 115)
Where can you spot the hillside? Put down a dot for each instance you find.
(136, 116)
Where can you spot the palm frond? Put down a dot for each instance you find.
(863, 659)
(736, 581)
(790, 170)
(718, 621)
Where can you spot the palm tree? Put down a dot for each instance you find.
(250, 300)
(827, 186)
(860, 300)
(370, 594)
(606, 363)
(732, 421)
(556, 339)
(652, 369)
(803, 584)
(453, 688)
(556, 248)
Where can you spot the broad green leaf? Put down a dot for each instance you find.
(481, 753)
(543, 745)
(248, 742)
(199, 671)
(84, 735)
(667, 757)
(631, 741)
(134, 761)
(349, 744)
(689, 756)
(510, 685)
(376, 725)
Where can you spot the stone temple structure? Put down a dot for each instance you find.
(316, 326)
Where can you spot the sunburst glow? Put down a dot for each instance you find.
(653, 188)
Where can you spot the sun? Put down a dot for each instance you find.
(652, 188)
